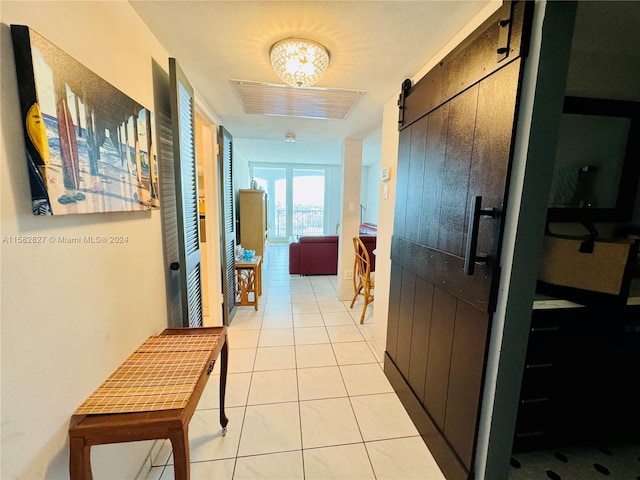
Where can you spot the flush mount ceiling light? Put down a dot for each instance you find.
(299, 62)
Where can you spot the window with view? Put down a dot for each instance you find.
(296, 200)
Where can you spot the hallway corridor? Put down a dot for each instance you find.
(306, 395)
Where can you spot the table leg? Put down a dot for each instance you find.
(180, 444)
(259, 279)
(224, 360)
(79, 459)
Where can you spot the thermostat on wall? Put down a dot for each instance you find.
(385, 174)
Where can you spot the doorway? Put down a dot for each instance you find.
(297, 200)
(208, 209)
(576, 412)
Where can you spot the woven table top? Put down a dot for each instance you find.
(160, 375)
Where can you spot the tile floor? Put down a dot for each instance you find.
(306, 395)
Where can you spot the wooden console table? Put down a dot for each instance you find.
(151, 396)
(249, 280)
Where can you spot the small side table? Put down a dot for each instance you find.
(249, 281)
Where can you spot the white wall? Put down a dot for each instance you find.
(241, 170)
(369, 185)
(334, 204)
(72, 313)
(389, 158)
(351, 172)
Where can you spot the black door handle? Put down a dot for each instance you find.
(471, 255)
(174, 266)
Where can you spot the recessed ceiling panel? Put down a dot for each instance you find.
(305, 102)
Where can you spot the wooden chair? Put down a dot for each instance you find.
(363, 278)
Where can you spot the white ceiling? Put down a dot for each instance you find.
(373, 45)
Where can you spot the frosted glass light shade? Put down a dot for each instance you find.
(298, 61)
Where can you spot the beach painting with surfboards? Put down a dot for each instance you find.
(90, 148)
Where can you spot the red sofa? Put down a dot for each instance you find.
(318, 254)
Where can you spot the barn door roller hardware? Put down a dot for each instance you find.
(504, 35)
(404, 91)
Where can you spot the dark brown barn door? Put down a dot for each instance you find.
(457, 127)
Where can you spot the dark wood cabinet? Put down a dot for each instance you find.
(579, 378)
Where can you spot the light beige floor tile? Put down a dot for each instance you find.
(248, 312)
(240, 361)
(328, 422)
(366, 331)
(205, 435)
(278, 299)
(326, 295)
(218, 469)
(319, 355)
(276, 337)
(328, 306)
(155, 473)
(311, 335)
(283, 289)
(277, 321)
(302, 298)
(378, 353)
(235, 395)
(337, 463)
(300, 289)
(344, 333)
(243, 338)
(275, 358)
(270, 429)
(310, 307)
(246, 322)
(273, 386)
(322, 285)
(337, 318)
(403, 458)
(320, 382)
(365, 379)
(160, 453)
(277, 309)
(293, 311)
(274, 466)
(382, 417)
(307, 320)
(353, 353)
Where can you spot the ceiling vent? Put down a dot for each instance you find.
(305, 102)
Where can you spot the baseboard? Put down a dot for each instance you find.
(446, 458)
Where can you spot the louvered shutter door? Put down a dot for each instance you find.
(169, 216)
(182, 106)
(228, 219)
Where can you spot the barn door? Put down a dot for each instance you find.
(227, 225)
(456, 130)
(186, 182)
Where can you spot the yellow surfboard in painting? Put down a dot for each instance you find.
(37, 132)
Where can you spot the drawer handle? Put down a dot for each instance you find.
(545, 329)
(529, 434)
(539, 365)
(535, 400)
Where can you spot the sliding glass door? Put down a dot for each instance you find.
(297, 199)
(308, 202)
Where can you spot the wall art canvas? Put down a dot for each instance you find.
(90, 148)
